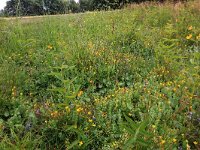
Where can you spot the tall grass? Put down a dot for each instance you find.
(124, 79)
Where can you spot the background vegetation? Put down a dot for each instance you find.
(42, 7)
(124, 79)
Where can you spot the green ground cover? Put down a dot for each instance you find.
(124, 79)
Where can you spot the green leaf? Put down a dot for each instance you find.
(67, 67)
(6, 114)
(125, 126)
(57, 89)
(129, 143)
(129, 105)
(57, 75)
(142, 142)
(73, 144)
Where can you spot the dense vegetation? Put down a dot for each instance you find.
(41, 7)
(124, 79)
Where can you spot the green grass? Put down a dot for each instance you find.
(125, 79)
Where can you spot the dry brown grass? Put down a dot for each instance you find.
(193, 4)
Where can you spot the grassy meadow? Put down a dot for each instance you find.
(124, 79)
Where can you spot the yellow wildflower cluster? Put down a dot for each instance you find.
(90, 120)
(99, 52)
(80, 143)
(122, 90)
(188, 146)
(50, 47)
(198, 37)
(162, 142)
(79, 109)
(188, 37)
(174, 140)
(190, 28)
(14, 91)
(80, 93)
(54, 114)
(153, 126)
(94, 125)
(195, 142)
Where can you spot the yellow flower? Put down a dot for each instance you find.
(153, 126)
(174, 140)
(188, 147)
(168, 102)
(80, 143)
(80, 93)
(89, 113)
(195, 142)
(49, 47)
(190, 28)
(94, 125)
(90, 120)
(79, 109)
(67, 109)
(55, 114)
(189, 36)
(162, 142)
(174, 89)
(14, 91)
(198, 37)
